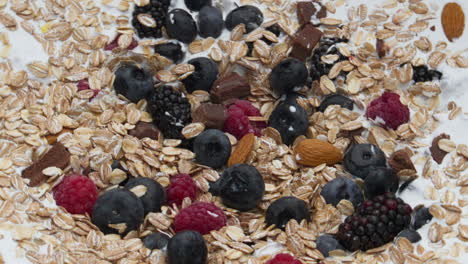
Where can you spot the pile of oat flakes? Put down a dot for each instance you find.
(43, 101)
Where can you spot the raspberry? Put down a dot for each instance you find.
(388, 108)
(283, 259)
(182, 185)
(238, 123)
(200, 216)
(76, 193)
(84, 85)
(115, 43)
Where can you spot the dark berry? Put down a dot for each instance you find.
(118, 211)
(388, 111)
(327, 46)
(134, 82)
(170, 50)
(200, 216)
(411, 235)
(240, 187)
(283, 258)
(423, 74)
(342, 188)
(196, 5)
(212, 148)
(158, 11)
(379, 181)
(291, 121)
(187, 247)
(287, 75)
(360, 159)
(149, 191)
(326, 243)
(284, 209)
(421, 216)
(156, 240)
(181, 26)
(248, 15)
(206, 72)
(76, 193)
(238, 124)
(336, 99)
(210, 22)
(182, 186)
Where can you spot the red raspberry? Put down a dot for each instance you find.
(76, 193)
(115, 43)
(182, 185)
(84, 85)
(283, 259)
(389, 108)
(238, 123)
(200, 216)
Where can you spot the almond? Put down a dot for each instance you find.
(313, 152)
(243, 149)
(453, 20)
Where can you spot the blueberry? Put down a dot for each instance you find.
(149, 191)
(206, 72)
(118, 211)
(326, 243)
(133, 82)
(284, 209)
(170, 50)
(248, 15)
(196, 5)
(181, 26)
(342, 188)
(210, 22)
(241, 187)
(287, 75)
(116, 165)
(379, 181)
(336, 99)
(421, 216)
(291, 121)
(212, 148)
(156, 241)
(187, 247)
(411, 235)
(362, 158)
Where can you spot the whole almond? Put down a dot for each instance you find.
(243, 149)
(453, 20)
(313, 152)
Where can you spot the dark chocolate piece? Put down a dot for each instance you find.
(437, 153)
(381, 49)
(305, 10)
(401, 160)
(144, 129)
(229, 86)
(212, 115)
(304, 41)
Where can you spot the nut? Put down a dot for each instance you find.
(313, 152)
(453, 20)
(243, 149)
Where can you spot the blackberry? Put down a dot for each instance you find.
(170, 110)
(423, 74)
(327, 46)
(158, 11)
(375, 223)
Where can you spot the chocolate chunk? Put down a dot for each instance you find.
(229, 86)
(212, 115)
(58, 156)
(144, 129)
(304, 41)
(400, 160)
(322, 13)
(437, 153)
(305, 10)
(381, 49)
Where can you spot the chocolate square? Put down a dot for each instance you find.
(144, 129)
(212, 115)
(232, 85)
(305, 10)
(304, 41)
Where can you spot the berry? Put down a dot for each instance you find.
(212, 148)
(291, 121)
(238, 124)
(283, 259)
(181, 26)
(171, 111)
(374, 223)
(284, 209)
(133, 81)
(200, 216)
(210, 22)
(118, 211)
(287, 75)
(379, 181)
(149, 191)
(170, 50)
(248, 15)
(115, 43)
(411, 235)
(336, 99)
(76, 193)
(388, 109)
(421, 216)
(156, 240)
(342, 188)
(187, 247)
(158, 11)
(326, 243)
(182, 185)
(423, 74)
(196, 5)
(362, 158)
(240, 187)
(206, 72)
(84, 85)
(327, 46)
